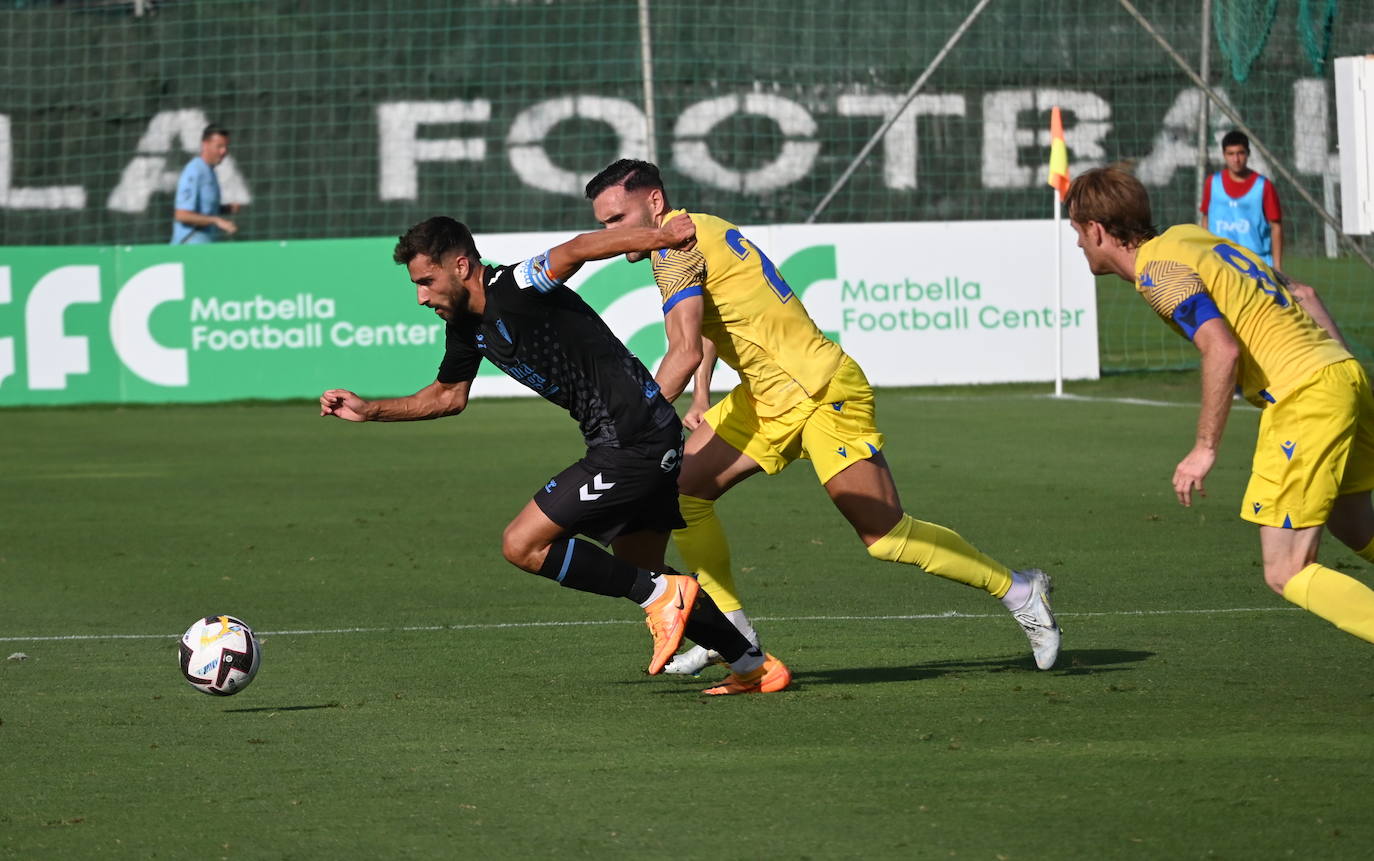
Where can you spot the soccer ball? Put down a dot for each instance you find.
(219, 655)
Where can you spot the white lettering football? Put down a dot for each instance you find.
(219, 655)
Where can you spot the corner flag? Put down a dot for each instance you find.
(1059, 155)
(1059, 180)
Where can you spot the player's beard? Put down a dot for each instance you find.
(458, 304)
(462, 304)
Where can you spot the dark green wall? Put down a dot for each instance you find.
(299, 84)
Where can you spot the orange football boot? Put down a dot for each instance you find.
(667, 617)
(771, 676)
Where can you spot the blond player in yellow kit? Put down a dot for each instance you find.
(1314, 458)
(800, 396)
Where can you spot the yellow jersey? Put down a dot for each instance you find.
(1190, 276)
(757, 323)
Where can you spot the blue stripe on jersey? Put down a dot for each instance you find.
(567, 560)
(685, 293)
(1194, 311)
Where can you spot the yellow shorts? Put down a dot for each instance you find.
(833, 430)
(1314, 445)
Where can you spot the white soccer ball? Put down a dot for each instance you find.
(219, 655)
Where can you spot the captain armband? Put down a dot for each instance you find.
(534, 272)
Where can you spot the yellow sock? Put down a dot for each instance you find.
(1367, 554)
(942, 552)
(705, 550)
(1343, 601)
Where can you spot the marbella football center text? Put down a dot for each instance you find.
(301, 322)
(951, 304)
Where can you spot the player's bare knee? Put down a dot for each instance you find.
(512, 553)
(1277, 576)
(520, 554)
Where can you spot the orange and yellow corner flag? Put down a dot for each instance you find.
(1059, 155)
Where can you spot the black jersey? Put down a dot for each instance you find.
(543, 335)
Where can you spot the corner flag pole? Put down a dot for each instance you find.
(1058, 305)
(1059, 180)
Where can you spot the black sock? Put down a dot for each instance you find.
(707, 626)
(643, 586)
(585, 567)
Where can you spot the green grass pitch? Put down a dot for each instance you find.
(421, 698)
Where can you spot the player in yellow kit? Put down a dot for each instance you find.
(800, 396)
(1314, 458)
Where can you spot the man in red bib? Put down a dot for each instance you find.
(1241, 205)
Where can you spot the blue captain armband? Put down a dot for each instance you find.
(1194, 311)
(534, 272)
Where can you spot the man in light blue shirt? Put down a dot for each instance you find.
(197, 217)
(1241, 205)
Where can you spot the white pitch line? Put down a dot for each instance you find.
(1093, 399)
(1135, 402)
(490, 626)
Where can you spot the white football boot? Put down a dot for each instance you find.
(1037, 619)
(692, 661)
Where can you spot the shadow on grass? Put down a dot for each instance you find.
(1072, 662)
(282, 708)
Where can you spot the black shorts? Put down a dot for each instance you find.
(617, 491)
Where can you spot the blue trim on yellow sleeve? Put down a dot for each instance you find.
(1194, 311)
(684, 293)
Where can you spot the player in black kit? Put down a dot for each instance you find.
(623, 493)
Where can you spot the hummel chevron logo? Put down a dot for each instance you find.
(595, 484)
(1288, 448)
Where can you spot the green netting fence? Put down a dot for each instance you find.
(351, 119)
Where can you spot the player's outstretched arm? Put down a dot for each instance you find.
(435, 400)
(1220, 359)
(566, 259)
